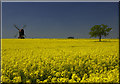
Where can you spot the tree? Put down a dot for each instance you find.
(99, 31)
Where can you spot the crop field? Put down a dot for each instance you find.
(60, 60)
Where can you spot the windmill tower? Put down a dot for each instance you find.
(21, 31)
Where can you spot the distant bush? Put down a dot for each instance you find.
(70, 37)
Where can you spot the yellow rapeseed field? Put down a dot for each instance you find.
(60, 60)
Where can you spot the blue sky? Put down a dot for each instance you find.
(58, 19)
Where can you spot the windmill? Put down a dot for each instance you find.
(21, 31)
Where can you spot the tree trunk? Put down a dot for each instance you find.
(100, 38)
